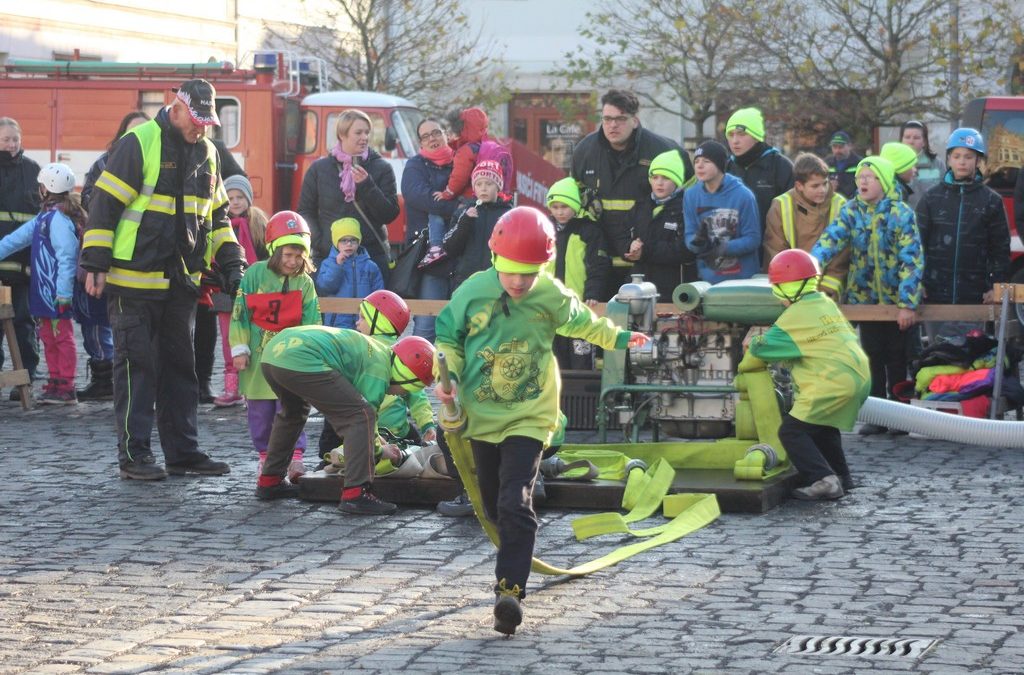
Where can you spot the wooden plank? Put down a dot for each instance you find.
(852, 312)
(14, 378)
(5, 295)
(1016, 292)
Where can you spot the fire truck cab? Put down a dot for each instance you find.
(275, 120)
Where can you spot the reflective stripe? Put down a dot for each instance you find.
(619, 262)
(161, 203)
(99, 238)
(617, 204)
(118, 276)
(832, 283)
(13, 266)
(219, 237)
(116, 188)
(17, 216)
(786, 207)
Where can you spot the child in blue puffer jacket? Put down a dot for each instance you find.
(348, 271)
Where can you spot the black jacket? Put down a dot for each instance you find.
(619, 179)
(665, 260)
(965, 240)
(322, 202)
(846, 178)
(595, 264)
(767, 172)
(163, 240)
(19, 203)
(466, 241)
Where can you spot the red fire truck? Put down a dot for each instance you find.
(275, 121)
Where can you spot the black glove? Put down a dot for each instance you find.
(232, 279)
(714, 249)
(701, 240)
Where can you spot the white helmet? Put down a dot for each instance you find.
(57, 178)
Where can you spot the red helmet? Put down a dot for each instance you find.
(417, 355)
(392, 307)
(287, 224)
(524, 235)
(793, 264)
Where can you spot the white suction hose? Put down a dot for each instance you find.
(942, 426)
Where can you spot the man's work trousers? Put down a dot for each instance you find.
(344, 408)
(154, 363)
(507, 472)
(815, 450)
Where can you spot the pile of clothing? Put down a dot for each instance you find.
(962, 369)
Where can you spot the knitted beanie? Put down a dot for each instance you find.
(747, 119)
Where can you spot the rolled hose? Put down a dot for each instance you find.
(942, 426)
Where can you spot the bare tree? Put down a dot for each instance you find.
(666, 50)
(422, 49)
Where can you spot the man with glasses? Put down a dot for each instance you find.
(612, 165)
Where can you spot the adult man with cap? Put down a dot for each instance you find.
(158, 217)
(612, 165)
(762, 168)
(842, 164)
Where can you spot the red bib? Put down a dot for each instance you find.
(275, 311)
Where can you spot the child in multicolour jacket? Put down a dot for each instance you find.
(53, 236)
(886, 265)
(274, 294)
(496, 335)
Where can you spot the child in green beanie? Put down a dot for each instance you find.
(886, 265)
(659, 250)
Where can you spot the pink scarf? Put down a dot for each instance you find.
(442, 156)
(348, 183)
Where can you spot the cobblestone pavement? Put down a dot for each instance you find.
(101, 575)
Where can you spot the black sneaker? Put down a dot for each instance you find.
(460, 507)
(508, 614)
(144, 468)
(846, 480)
(367, 504)
(540, 495)
(201, 465)
(282, 490)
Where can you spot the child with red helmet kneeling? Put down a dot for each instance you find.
(346, 375)
(831, 374)
(496, 334)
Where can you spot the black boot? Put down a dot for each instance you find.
(101, 386)
(206, 394)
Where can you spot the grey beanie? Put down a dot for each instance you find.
(240, 183)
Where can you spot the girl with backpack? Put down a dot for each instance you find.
(53, 236)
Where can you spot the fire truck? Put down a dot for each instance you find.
(1001, 121)
(275, 120)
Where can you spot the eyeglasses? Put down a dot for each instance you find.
(348, 241)
(436, 133)
(617, 119)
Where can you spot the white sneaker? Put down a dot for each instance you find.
(828, 487)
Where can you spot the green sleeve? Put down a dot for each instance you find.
(775, 345)
(238, 331)
(310, 303)
(579, 321)
(419, 408)
(450, 340)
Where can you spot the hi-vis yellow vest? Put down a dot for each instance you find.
(123, 239)
(789, 231)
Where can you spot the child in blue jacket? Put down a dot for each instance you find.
(53, 236)
(723, 228)
(348, 271)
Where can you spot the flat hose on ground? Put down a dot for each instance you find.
(942, 426)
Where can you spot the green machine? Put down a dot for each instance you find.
(681, 383)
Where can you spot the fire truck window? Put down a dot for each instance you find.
(230, 130)
(405, 122)
(376, 133)
(309, 132)
(1004, 133)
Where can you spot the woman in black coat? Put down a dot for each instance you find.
(351, 182)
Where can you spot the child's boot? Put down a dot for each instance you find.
(507, 612)
(101, 386)
(434, 254)
(230, 396)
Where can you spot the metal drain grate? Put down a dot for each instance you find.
(856, 646)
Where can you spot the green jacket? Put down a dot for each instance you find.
(831, 374)
(364, 361)
(499, 350)
(246, 337)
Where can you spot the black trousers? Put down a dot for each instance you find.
(24, 330)
(154, 364)
(886, 346)
(815, 450)
(507, 472)
(205, 342)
